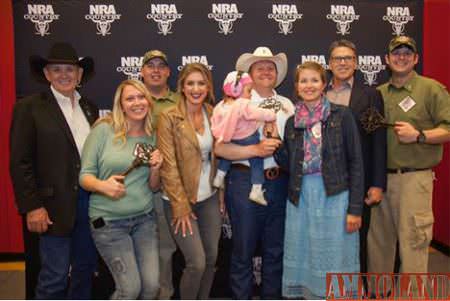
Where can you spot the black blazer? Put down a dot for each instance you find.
(374, 144)
(44, 160)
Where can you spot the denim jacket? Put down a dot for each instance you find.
(342, 163)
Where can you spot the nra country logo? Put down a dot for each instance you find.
(285, 15)
(318, 58)
(102, 15)
(130, 66)
(188, 59)
(41, 15)
(398, 17)
(164, 15)
(343, 16)
(370, 66)
(225, 14)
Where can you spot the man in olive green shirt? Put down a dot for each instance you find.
(155, 72)
(419, 107)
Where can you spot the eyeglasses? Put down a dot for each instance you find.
(346, 59)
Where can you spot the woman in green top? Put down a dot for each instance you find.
(123, 223)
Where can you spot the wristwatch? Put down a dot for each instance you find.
(421, 138)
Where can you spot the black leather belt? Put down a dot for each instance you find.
(405, 170)
(269, 173)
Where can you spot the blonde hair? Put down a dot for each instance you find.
(196, 67)
(117, 117)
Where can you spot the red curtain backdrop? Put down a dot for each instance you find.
(436, 64)
(435, 61)
(10, 223)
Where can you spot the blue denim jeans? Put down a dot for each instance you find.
(256, 163)
(129, 248)
(251, 224)
(75, 252)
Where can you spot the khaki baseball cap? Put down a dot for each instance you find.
(149, 55)
(402, 41)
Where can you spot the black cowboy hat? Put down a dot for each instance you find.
(61, 53)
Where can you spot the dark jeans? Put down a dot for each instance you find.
(252, 223)
(199, 249)
(256, 163)
(75, 253)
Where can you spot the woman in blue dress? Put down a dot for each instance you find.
(322, 152)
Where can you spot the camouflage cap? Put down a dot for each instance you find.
(149, 55)
(402, 41)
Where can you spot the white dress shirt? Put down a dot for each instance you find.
(75, 118)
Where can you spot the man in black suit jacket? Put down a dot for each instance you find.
(344, 89)
(46, 137)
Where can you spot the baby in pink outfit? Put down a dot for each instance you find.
(235, 120)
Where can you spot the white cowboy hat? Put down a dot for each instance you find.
(245, 61)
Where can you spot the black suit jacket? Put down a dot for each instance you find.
(374, 144)
(44, 160)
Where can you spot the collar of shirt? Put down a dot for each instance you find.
(348, 84)
(63, 100)
(75, 118)
(408, 86)
(258, 98)
(167, 96)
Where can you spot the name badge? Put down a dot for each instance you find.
(407, 103)
(317, 130)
